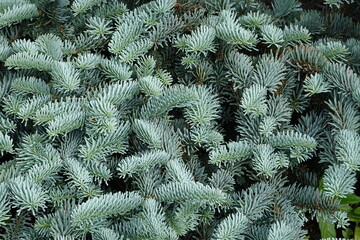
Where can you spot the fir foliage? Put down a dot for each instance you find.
(176, 119)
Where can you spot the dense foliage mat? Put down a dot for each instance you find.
(179, 119)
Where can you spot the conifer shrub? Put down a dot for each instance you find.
(179, 119)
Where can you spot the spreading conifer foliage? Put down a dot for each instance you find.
(179, 119)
